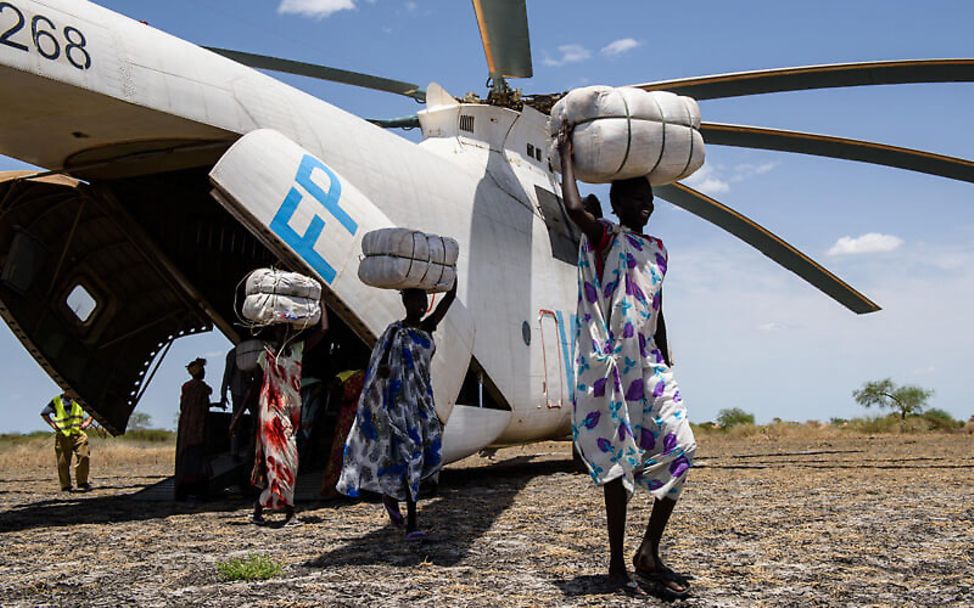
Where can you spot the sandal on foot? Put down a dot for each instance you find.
(627, 584)
(660, 582)
(416, 536)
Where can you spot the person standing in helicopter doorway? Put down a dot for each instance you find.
(396, 439)
(193, 470)
(629, 421)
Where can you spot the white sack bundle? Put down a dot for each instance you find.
(273, 281)
(277, 309)
(279, 297)
(401, 258)
(625, 132)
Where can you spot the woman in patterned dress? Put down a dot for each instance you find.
(279, 420)
(396, 439)
(629, 420)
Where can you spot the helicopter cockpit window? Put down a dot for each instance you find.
(562, 233)
(81, 303)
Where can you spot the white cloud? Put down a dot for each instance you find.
(314, 8)
(744, 171)
(714, 179)
(570, 53)
(871, 242)
(707, 180)
(618, 47)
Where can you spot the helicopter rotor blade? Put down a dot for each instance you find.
(404, 122)
(744, 136)
(504, 34)
(818, 77)
(323, 72)
(767, 243)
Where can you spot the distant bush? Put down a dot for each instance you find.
(734, 416)
(705, 427)
(875, 424)
(15, 438)
(941, 421)
(254, 567)
(139, 421)
(148, 435)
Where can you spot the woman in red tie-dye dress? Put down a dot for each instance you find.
(279, 419)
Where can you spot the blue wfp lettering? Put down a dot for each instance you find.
(304, 244)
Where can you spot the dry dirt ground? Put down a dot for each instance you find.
(884, 521)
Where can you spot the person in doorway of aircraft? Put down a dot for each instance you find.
(192, 463)
(396, 439)
(69, 426)
(629, 421)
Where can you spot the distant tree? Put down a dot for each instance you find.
(733, 416)
(906, 400)
(139, 421)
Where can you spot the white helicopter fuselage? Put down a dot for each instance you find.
(91, 91)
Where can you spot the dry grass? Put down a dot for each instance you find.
(849, 520)
(36, 454)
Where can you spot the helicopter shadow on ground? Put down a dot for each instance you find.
(91, 508)
(467, 503)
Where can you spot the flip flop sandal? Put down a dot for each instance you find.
(416, 536)
(628, 585)
(659, 581)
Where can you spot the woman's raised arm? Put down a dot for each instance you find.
(434, 318)
(585, 221)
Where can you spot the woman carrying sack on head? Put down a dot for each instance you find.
(629, 421)
(396, 439)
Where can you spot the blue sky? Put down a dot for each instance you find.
(745, 333)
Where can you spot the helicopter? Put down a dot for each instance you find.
(172, 170)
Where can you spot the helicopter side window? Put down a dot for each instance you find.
(562, 233)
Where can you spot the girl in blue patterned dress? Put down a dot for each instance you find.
(629, 420)
(396, 439)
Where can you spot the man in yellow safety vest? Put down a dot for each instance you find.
(69, 425)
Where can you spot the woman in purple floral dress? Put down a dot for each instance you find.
(629, 421)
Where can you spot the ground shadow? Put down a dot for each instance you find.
(598, 584)
(90, 508)
(467, 504)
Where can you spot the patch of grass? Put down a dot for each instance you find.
(254, 567)
(36, 452)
